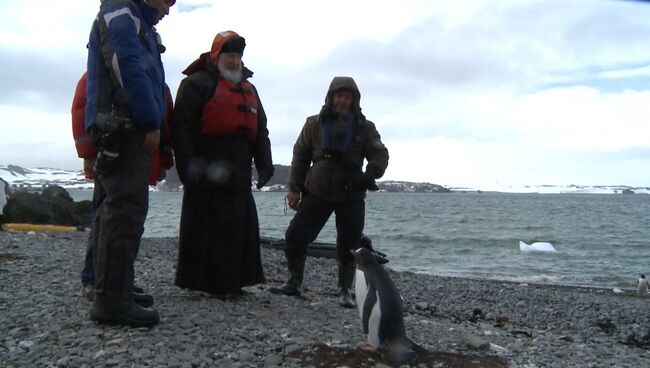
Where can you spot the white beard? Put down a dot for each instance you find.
(234, 76)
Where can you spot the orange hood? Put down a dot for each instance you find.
(217, 45)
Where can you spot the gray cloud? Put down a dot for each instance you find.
(521, 48)
(40, 82)
(418, 60)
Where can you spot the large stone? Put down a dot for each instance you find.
(474, 342)
(4, 192)
(54, 206)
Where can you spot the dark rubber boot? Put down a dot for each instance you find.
(143, 300)
(134, 315)
(296, 273)
(346, 278)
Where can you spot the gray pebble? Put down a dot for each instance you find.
(63, 362)
(246, 356)
(292, 348)
(474, 342)
(272, 361)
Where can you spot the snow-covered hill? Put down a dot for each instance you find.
(37, 178)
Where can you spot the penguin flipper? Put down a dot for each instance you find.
(368, 304)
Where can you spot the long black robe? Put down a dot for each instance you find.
(219, 250)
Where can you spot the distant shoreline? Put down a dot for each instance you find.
(35, 178)
(452, 191)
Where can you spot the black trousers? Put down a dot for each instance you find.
(121, 200)
(312, 215)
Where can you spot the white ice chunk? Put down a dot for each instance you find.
(536, 247)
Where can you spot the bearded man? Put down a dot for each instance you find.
(327, 177)
(219, 129)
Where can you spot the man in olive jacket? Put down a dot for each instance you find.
(327, 176)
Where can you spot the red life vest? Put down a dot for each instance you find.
(231, 110)
(82, 141)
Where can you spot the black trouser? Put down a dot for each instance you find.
(312, 215)
(121, 200)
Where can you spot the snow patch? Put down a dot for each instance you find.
(553, 189)
(37, 178)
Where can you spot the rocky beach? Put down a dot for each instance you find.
(44, 320)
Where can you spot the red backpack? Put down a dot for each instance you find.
(162, 159)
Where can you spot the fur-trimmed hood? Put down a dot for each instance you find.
(346, 83)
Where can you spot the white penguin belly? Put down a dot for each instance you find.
(360, 291)
(373, 325)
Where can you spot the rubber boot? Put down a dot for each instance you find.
(294, 283)
(346, 278)
(139, 297)
(142, 299)
(132, 315)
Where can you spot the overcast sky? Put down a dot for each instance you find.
(464, 93)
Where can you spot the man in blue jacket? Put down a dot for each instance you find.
(125, 104)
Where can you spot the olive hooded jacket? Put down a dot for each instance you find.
(330, 173)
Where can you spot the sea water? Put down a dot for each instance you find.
(602, 240)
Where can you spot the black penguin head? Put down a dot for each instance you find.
(364, 258)
(642, 276)
(366, 242)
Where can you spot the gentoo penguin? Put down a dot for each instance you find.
(642, 286)
(380, 308)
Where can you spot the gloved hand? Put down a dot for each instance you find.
(369, 182)
(194, 172)
(89, 168)
(262, 179)
(369, 178)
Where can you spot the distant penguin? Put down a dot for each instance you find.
(642, 286)
(380, 309)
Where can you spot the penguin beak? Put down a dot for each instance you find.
(354, 253)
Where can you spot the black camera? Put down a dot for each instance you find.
(110, 140)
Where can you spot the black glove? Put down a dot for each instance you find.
(369, 182)
(262, 179)
(369, 178)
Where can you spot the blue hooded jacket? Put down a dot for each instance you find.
(125, 71)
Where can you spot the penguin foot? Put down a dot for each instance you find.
(368, 348)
